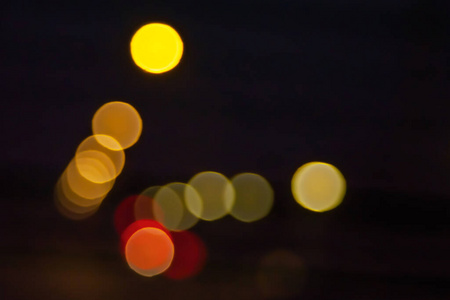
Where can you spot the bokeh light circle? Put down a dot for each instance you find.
(109, 163)
(216, 196)
(254, 197)
(67, 205)
(82, 186)
(134, 226)
(144, 204)
(318, 186)
(70, 214)
(190, 255)
(124, 214)
(169, 206)
(149, 251)
(120, 121)
(156, 48)
(95, 166)
(70, 196)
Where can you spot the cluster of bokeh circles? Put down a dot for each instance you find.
(154, 226)
(163, 215)
(98, 160)
(151, 249)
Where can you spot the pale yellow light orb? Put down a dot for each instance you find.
(156, 48)
(318, 186)
(253, 197)
(169, 206)
(212, 196)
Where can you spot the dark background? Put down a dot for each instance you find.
(264, 87)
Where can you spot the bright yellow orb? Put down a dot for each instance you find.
(156, 48)
(318, 186)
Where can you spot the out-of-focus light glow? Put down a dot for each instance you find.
(254, 197)
(190, 256)
(124, 214)
(281, 275)
(95, 166)
(170, 209)
(74, 198)
(72, 203)
(216, 196)
(156, 48)
(68, 208)
(149, 251)
(69, 214)
(82, 186)
(120, 121)
(100, 163)
(137, 225)
(318, 186)
(143, 207)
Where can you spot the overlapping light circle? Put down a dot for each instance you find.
(145, 205)
(134, 226)
(212, 196)
(74, 198)
(98, 160)
(110, 162)
(67, 205)
(124, 214)
(170, 208)
(149, 251)
(84, 187)
(190, 255)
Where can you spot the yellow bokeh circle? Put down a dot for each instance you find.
(83, 187)
(318, 186)
(212, 197)
(109, 162)
(156, 48)
(253, 197)
(169, 206)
